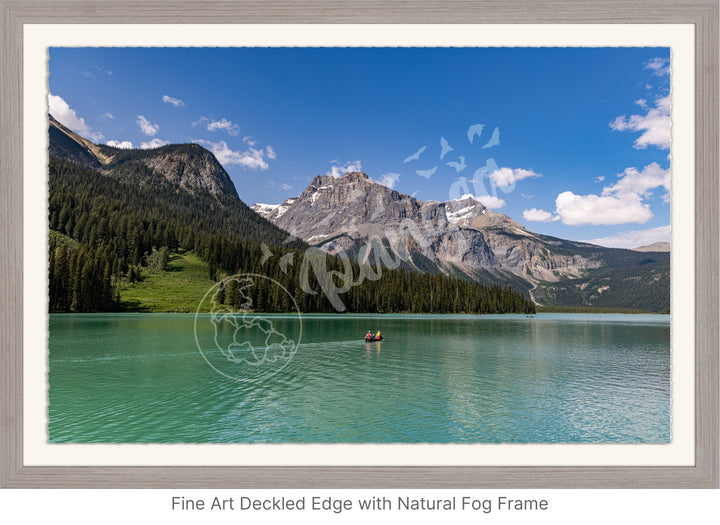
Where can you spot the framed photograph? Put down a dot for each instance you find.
(311, 245)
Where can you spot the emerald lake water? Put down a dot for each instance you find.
(551, 378)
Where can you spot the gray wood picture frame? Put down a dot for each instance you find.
(702, 13)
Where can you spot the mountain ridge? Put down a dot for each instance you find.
(189, 165)
(360, 218)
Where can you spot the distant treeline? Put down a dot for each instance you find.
(126, 221)
(592, 310)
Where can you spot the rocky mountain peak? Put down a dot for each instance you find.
(349, 177)
(190, 166)
(372, 224)
(354, 176)
(460, 236)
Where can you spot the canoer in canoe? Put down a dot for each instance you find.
(369, 337)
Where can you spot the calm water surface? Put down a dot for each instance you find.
(553, 378)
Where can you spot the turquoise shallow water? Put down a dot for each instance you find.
(552, 378)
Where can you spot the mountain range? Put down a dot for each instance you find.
(356, 218)
(371, 223)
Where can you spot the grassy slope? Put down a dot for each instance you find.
(180, 288)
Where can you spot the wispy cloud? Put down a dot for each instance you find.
(146, 126)
(654, 126)
(218, 125)
(507, 177)
(251, 158)
(174, 101)
(659, 66)
(389, 179)
(635, 238)
(538, 215)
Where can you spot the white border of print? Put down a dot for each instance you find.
(37, 450)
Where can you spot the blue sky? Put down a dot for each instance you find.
(570, 142)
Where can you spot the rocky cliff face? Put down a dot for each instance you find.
(373, 223)
(190, 166)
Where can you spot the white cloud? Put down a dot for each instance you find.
(270, 152)
(490, 202)
(107, 115)
(174, 101)
(619, 203)
(125, 144)
(339, 170)
(635, 238)
(576, 210)
(527, 195)
(637, 182)
(654, 126)
(285, 186)
(507, 177)
(146, 126)
(389, 179)
(642, 103)
(64, 114)
(537, 215)
(154, 143)
(659, 66)
(250, 141)
(600, 178)
(220, 125)
(252, 158)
